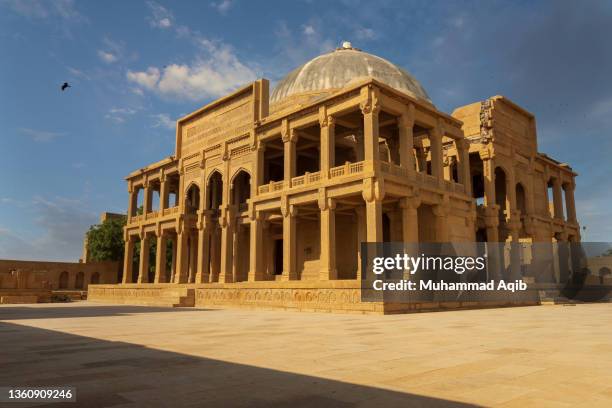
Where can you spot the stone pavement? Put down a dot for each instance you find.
(130, 356)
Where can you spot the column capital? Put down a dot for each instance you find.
(327, 203)
(327, 120)
(289, 135)
(369, 106)
(373, 190)
(412, 202)
(289, 210)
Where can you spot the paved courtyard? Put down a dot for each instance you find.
(129, 356)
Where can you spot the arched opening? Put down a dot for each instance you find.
(520, 199)
(241, 190)
(79, 282)
(192, 199)
(477, 175)
(214, 191)
(63, 280)
(95, 278)
(500, 191)
(551, 197)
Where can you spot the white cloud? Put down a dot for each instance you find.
(309, 30)
(222, 6)
(147, 79)
(107, 57)
(363, 33)
(161, 17)
(119, 115)
(78, 73)
(39, 135)
(163, 120)
(42, 9)
(215, 72)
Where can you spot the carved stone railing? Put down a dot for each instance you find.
(271, 187)
(346, 169)
(171, 210)
(306, 179)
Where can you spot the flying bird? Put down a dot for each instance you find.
(66, 85)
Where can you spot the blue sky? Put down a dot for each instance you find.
(135, 66)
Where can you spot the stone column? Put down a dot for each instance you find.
(557, 199)
(193, 257)
(235, 255)
(289, 142)
(128, 259)
(143, 267)
(370, 110)
(328, 239)
(435, 138)
(160, 258)
(202, 274)
(180, 274)
(227, 246)
(359, 154)
(163, 193)
(173, 259)
(289, 242)
(406, 140)
(410, 219)
(361, 236)
(131, 204)
(489, 181)
(215, 255)
(374, 231)
(328, 138)
(146, 207)
(256, 261)
(259, 168)
(570, 203)
(463, 167)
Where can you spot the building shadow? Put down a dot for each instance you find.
(74, 310)
(113, 374)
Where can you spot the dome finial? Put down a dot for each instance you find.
(347, 45)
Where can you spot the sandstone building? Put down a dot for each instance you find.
(268, 196)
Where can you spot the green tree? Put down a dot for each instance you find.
(105, 241)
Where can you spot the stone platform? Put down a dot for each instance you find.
(342, 296)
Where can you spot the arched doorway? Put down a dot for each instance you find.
(80, 279)
(63, 280)
(192, 199)
(241, 189)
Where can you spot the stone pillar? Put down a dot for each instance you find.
(328, 138)
(131, 204)
(128, 259)
(235, 240)
(361, 236)
(173, 259)
(289, 141)
(202, 274)
(146, 207)
(215, 255)
(163, 193)
(180, 274)
(489, 182)
(259, 169)
(410, 219)
(406, 140)
(256, 261)
(227, 246)
(160, 258)
(143, 267)
(374, 232)
(557, 199)
(370, 110)
(328, 239)
(435, 138)
(289, 242)
(463, 166)
(570, 203)
(193, 257)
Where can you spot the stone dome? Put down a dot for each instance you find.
(337, 69)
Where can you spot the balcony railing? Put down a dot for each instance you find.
(306, 179)
(154, 214)
(393, 169)
(271, 187)
(346, 169)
